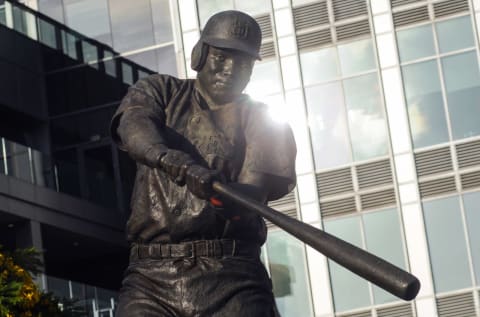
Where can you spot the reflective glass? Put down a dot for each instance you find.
(167, 62)
(24, 22)
(146, 59)
(89, 17)
(319, 66)
(3, 17)
(162, 23)
(253, 7)
(59, 287)
(90, 52)
(46, 32)
(265, 80)
(425, 104)
(207, 8)
(384, 239)
(455, 34)
(52, 8)
(99, 176)
(366, 119)
(110, 64)
(472, 211)
(446, 242)
(69, 44)
(18, 161)
(132, 25)
(328, 126)
(2, 157)
(349, 290)
(415, 43)
(356, 57)
(286, 257)
(462, 81)
(127, 73)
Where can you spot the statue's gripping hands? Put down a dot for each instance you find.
(190, 257)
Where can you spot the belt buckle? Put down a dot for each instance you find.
(192, 249)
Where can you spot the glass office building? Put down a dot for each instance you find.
(384, 100)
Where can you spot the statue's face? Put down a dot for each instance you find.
(225, 74)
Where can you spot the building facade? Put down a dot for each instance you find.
(384, 99)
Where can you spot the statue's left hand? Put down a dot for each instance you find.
(200, 179)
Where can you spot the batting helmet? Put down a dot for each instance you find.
(228, 29)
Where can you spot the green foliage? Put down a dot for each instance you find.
(20, 297)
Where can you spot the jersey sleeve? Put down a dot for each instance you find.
(138, 124)
(271, 151)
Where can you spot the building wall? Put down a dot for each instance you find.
(383, 97)
(383, 100)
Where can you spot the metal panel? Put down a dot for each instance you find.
(397, 3)
(265, 25)
(374, 174)
(366, 313)
(335, 182)
(456, 305)
(286, 205)
(437, 187)
(470, 180)
(378, 199)
(404, 310)
(407, 17)
(433, 162)
(352, 30)
(314, 39)
(339, 206)
(292, 213)
(450, 7)
(288, 199)
(310, 15)
(267, 50)
(468, 154)
(344, 9)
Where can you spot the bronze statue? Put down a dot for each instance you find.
(191, 253)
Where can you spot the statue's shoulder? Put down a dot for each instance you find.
(161, 86)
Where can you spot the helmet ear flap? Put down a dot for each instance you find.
(199, 55)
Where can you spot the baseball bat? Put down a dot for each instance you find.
(372, 268)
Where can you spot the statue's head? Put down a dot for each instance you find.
(225, 54)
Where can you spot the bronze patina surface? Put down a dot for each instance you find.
(190, 256)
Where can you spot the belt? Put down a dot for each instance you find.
(192, 249)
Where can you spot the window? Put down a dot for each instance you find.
(365, 114)
(381, 229)
(319, 65)
(425, 104)
(380, 232)
(453, 78)
(132, 25)
(207, 8)
(415, 43)
(447, 245)
(162, 23)
(327, 119)
(455, 34)
(89, 17)
(462, 84)
(344, 103)
(265, 80)
(356, 57)
(471, 203)
(286, 257)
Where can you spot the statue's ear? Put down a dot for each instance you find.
(199, 55)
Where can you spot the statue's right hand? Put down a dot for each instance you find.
(175, 164)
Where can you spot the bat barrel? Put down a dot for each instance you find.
(374, 269)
